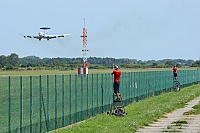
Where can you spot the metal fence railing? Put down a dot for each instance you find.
(44, 103)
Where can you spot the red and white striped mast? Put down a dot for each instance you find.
(84, 50)
(84, 69)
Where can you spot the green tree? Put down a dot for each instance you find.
(169, 63)
(3, 61)
(13, 60)
(154, 65)
(196, 64)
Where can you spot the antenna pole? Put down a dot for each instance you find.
(84, 68)
(84, 22)
(84, 50)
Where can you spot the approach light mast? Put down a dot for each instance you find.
(84, 69)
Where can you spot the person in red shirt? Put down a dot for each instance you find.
(175, 71)
(116, 84)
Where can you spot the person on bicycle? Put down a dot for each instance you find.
(175, 71)
(116, 84)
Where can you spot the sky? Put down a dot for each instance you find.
(134, 29)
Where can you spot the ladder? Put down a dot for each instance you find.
(177, 86)
(117, 106)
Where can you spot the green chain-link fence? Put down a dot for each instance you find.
(44, 103)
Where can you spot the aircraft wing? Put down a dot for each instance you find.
(63, 35)
(57, 36)
(26, 36)
(29, 36)
(49, 37)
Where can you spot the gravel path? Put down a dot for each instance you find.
(166, 124)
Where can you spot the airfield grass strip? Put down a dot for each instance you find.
(139, 114)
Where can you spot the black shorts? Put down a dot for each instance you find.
(175, 75)
(116, 87)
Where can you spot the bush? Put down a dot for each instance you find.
(10, 67)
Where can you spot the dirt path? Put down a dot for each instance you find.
(165, 124)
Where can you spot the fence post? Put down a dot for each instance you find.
(92, 94)
(31, 103)
(9, 104)
(63, 101)
(55, 89)
(48, 108)
(70, 99)
(97, 95)
(40, 101)
(76, 106)
(82, 76)
(21, 105)
(102, 91)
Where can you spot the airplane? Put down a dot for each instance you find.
(43, 35)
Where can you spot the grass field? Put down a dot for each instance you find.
(50, 72)
(26, 83)
(140, 113)
(58, 92)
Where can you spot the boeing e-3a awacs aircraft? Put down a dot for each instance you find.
(43, 35)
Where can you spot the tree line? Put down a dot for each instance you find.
(13, 61)
(9, 62)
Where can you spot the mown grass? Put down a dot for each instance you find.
(57, 72)
(139, 114)
(75, 71)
